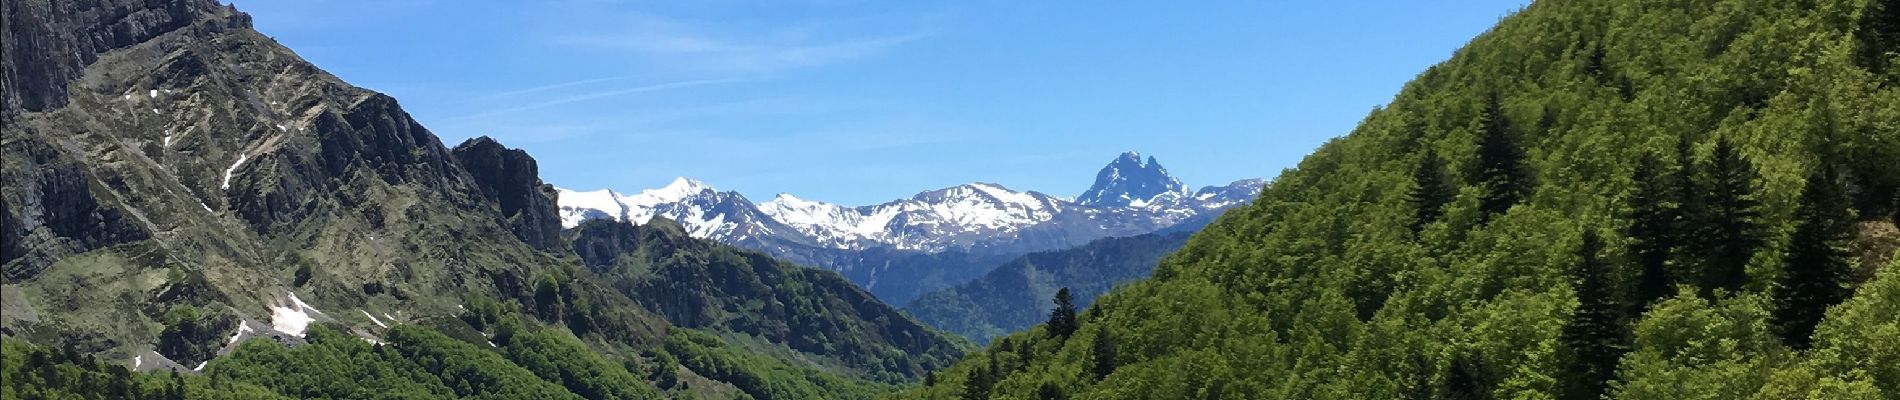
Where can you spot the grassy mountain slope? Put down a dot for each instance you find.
(1320, 290)
(177, 184)
(1016, 295)
(702, 284)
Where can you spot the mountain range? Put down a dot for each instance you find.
(183, 193)
(984, 223)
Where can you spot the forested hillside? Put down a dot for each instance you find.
(699, 283)
(1633, 199)
(1017, 295)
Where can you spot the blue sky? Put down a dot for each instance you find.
(860, 102)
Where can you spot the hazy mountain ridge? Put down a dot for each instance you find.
(982, 222)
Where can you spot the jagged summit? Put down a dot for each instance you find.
(1131, 181)
(1132, 196)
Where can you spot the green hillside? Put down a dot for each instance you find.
(1015, 296)
(1549, 259)
(702, 284)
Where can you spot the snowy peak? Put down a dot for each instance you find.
(1130, 181)
(1132, 195)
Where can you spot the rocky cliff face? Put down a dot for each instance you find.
(510, 178)
(154, 145)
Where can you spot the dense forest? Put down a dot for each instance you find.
(1015, 295)
(701, 284)
(1631, 199)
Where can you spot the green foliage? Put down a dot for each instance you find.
(1062, 318)
(1728, 224)
(1818, 263)
(1652, 230)
(1015, 296)
(1594, 337)
(31, 372)
(1432, 189)
(194, 334)
(1320, 290)
(416, 363)
(1877, 37)
(1501, 172)
(758, 375)
(557, 357)
(699, 284)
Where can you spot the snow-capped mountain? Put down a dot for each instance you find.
(1131, 196)
(978, 221)
(704, 211)
(930, 221)
(1130, 181)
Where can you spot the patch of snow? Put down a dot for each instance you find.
(201, 366)
(152, 93)
(280, 128)
(138, 360)
(227, 171)
(577, 206)
(491, 343)
(201, 203)
(372, 318)
(168, 138)
(154, 111)
(292, 318)
(242, 328)
(391, 319)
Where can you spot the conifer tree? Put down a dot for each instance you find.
(1877, 35)
(977, 385)
(1062, 321)
(1500, 169)
(1728, 227)
(1594, 337)
(1103, 352)
(1049, 391)
(1431, 190)
(1817, 262)
(1464, 380)
(1652, 230)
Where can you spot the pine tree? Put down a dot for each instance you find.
(1062, 321)
(977, 385)
(1728, 229)
(1049, 391)
(1103, 352)
(1652, 230)
(1817, 261)
(1431, 190)
(1594, 337)
(1877, 36)
(1464, 380)
(1500, 169)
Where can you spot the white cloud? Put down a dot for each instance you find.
(598, 95)
(705, 46)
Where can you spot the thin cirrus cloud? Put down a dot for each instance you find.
(591, 95)
(697, 46)
(553, 86)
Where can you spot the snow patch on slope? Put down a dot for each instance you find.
(227, 171)
(292, 318)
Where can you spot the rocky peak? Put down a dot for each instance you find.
(57, 40)
(1130, 180)
(510, 178)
